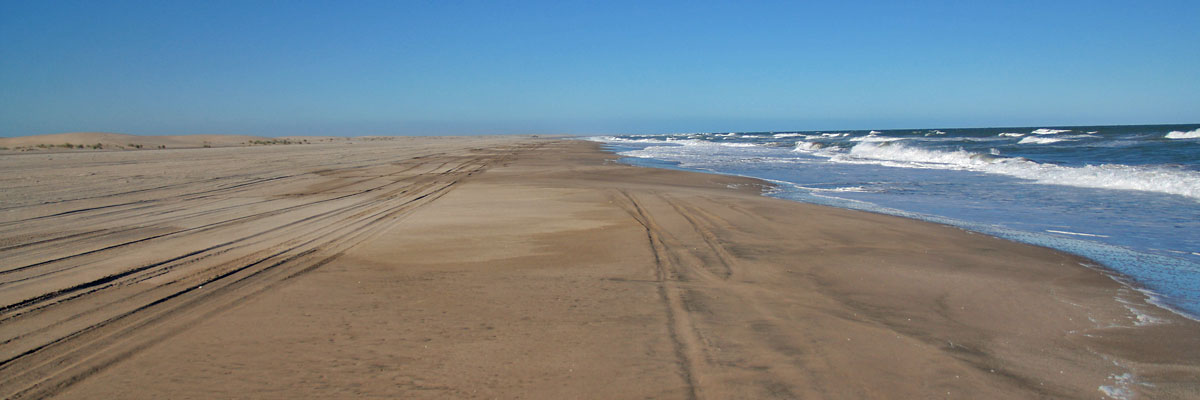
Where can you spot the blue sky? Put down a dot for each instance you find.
(456, 67)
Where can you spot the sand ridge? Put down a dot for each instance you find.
(520, 267)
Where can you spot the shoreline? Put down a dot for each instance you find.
(1150, 296)
(502, 267)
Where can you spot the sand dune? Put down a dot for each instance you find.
(510, 267)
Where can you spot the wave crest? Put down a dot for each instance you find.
(919, 157)
(1183, 135)
(875, 139)
(1040, 140)
(1108, 176)
(808, 146)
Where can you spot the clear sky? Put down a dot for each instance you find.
(457, 67)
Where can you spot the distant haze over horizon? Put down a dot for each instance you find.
(1186, 126)
(408, 68)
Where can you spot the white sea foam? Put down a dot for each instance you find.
(1183, 135)
(1120, 388)
(737, 144)
(854, 189)
(783, 135)
(671, 141)
(1140, 318)
(808, 146)
(1076, 233)
(874, 132)
(1107, 176)
(1053, 139)
(869, 150)
(825, 136)
(875, 138)
(1011, 134)
(1047, 131)
(968, 139)
(1041, 140)
(617, 139)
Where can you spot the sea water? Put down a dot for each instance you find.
(1127, 197)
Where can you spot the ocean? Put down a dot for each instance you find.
(1127, 197)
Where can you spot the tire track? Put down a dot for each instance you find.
(318, 168)
(696, 327)
(427, 195)
(704, 226)
(244, 218)
(679, 323)
(222, 247)
(94, 324)
(178, 204)
(293, 224)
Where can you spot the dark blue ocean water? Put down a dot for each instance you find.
(1127, 197)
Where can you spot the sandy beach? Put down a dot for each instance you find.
(522, 267)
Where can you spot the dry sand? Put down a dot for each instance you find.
(528, 268)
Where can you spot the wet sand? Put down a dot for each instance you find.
(501, 267)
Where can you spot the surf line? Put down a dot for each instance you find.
(1076, 233)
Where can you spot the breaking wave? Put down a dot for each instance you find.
(808, 146)
(1040, 140)
(875, 138)
(1053, 139)
(1183, 135)
(1107, 176)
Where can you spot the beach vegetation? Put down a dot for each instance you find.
(270, 142)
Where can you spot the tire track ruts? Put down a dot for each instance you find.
(208, 289)
(194, 257)
(199, 228)
(178, 205)
(679, 324)
(107, 279)
(360, 164)
(704, 226)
